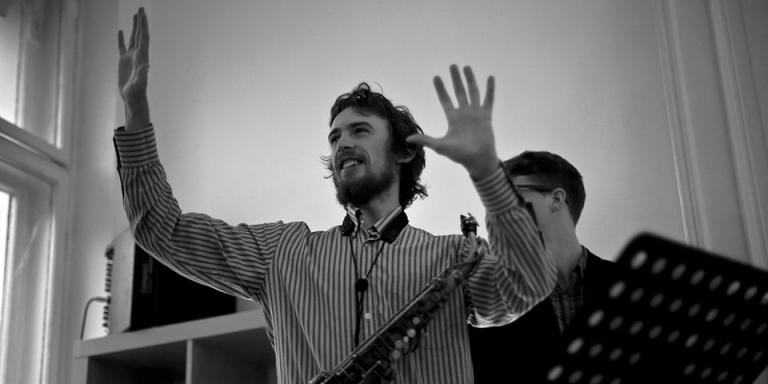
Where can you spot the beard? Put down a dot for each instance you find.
(361, 190)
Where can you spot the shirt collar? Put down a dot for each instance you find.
(577, 274)
(387, 228)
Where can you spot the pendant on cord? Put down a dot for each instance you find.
(361, 285)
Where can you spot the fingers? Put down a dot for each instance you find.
(458, 86)
(132, 42)
(464, 96)
(139, 29)
(490, 88)
(143, 31)
(442, 94)
(474, 93)
(423, 140)
(139, 37)
(120, 42)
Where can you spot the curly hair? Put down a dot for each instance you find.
(553, 171)
(401, 125)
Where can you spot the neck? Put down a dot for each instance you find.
(381, 205)
(566, 249)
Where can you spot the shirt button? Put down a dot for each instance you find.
(367, 316)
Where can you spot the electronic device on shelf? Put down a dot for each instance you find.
(145, 293)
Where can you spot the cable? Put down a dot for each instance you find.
(85, 312)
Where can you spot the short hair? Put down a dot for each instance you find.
(401, 125)
(552, 171)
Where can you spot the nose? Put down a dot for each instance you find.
(344, 142)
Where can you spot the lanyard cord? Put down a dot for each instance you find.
(361, 286)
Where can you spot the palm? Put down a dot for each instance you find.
(469, 133)
(130, 80)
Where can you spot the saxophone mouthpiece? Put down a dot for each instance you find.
(468, 224)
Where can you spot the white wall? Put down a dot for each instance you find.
(240, 93)
(98, 216)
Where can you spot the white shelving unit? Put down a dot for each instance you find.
(224, 349)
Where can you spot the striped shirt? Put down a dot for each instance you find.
(568, 300)
(305, 279)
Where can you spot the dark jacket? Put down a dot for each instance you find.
(523, 351)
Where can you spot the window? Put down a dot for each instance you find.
(37, 56)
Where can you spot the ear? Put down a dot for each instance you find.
(559, 199)
(406, 157)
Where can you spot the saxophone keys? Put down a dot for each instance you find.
(416, 320)
(399, 344)
(395, 355)
(411, 333)
(388, 376)
(319, 378)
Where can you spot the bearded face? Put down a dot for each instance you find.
(359, 186)
(362, 161)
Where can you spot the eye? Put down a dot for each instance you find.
(332, 139)
(361, 130)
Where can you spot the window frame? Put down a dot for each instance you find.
(51, 162)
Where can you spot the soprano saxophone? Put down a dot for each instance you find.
(372, 360)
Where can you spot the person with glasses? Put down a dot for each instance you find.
(554, 190)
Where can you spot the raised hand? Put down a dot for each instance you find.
(469, 140)
(133, 70)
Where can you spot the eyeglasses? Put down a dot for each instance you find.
(534, 187)
(538, 188)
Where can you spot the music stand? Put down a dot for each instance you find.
(671, 314)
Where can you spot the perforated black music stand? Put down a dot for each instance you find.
(672, 314)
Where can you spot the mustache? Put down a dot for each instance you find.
(345, 154)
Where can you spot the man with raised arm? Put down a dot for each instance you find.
(554, 188)
(324, 292)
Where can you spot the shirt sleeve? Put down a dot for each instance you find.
(517, 272)
(233, 259)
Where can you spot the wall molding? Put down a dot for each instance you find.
(720, 68)
(679, 126)
(744, 123)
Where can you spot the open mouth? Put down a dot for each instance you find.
(349, 164)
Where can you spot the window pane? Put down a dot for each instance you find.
(29, 60)
(10, 31)
(40, 58)
(5, 205)
(23, 336)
